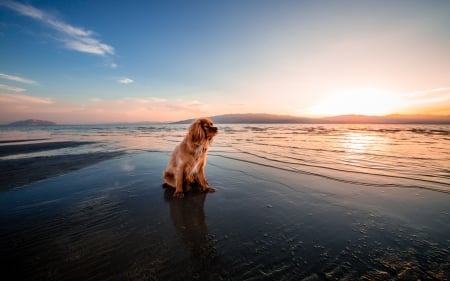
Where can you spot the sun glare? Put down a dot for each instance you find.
(356, 101)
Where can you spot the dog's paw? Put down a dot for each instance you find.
(178, 194)
(209, 189)
(188, 188)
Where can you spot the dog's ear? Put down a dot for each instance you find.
(196, 133)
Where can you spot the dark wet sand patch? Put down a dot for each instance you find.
(12, 149)
(19, 172)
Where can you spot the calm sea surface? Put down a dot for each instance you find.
(405, 156)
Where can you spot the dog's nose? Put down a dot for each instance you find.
(214, 129)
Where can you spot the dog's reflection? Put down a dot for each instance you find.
(188, 217)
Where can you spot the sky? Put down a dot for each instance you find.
(102, 61)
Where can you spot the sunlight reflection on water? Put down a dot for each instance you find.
(413, 155)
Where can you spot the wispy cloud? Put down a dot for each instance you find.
(145, 100)
(16, 106)
(436, 95)
(11, 88)
(125, 80)
(17, 79)
(74, 38)
(149, 108)
(95, 100)
(21, 99)
(428, 92)
(191, 107)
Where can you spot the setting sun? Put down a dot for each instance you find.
(356, 101)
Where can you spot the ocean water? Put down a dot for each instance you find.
(404, 156)
(283, 210)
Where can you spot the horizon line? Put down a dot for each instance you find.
(278, 118)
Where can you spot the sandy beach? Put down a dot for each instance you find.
(113, 220)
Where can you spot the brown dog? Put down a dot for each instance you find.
(188, 160)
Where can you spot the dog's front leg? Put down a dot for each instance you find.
(202, 179)
(179, 176)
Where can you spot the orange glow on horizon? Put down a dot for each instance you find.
(356, 101)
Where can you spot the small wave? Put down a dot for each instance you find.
(256, 129)
(410, 153)
(340, 179)
(430, 131)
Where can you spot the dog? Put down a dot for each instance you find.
(187, 162)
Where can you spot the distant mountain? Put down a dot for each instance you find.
(32, 122)
(262, 118)
(252, 118)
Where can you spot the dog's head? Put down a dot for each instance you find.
(202, 131)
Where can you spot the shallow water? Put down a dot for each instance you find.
(408, 156)
(295, 202)
(115, 221)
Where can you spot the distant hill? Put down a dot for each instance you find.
(262, 118)
(247, 119)
(32, 122)
(251, 118)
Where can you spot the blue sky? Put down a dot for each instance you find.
(109, 61)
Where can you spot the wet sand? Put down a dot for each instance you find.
(115, 221)
(22, 171)
(12, 149)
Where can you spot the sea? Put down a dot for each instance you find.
(294, 202)
(373, 155)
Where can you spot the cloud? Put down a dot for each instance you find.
(191, 107)
(11, 88)
(16, 106)
(17, 79)
(150, 108)
(89, 45)
(430, 96)
(24, 9)
(74, 38)
(428, 92)
(149, 100)
(125, 81)
(22, 99)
